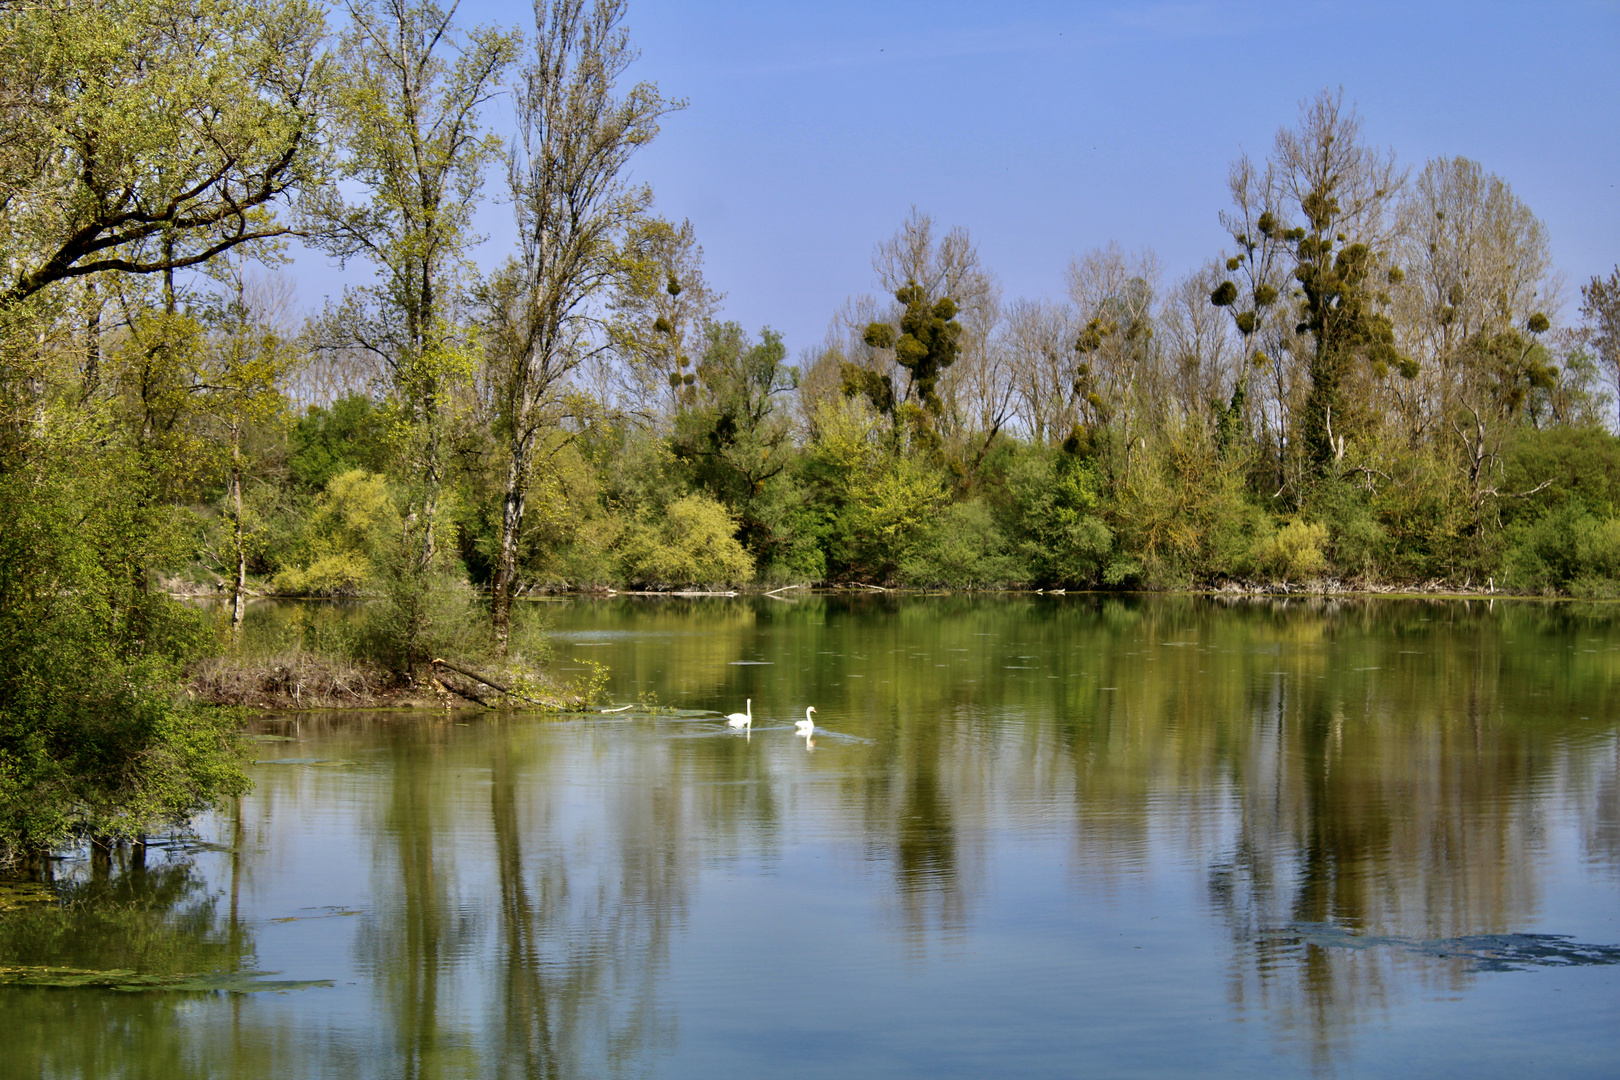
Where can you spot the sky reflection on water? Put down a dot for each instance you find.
(1128, 837)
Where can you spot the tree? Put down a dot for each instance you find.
(409, 111)
(664, 309)
(1343, 190)
(146, 136)
(1114, 293)
(1601, 308)
(1040, 336)
(928, 342)
(245, 362)
(574, 207)
(732, 436)
(1197, 356)
(140, 137)
(1261, 262)
(946, 303)
(1477, 264)
(1114, 378)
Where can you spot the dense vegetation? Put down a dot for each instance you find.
(1368, 385)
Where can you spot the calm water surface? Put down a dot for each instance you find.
(1038, 837)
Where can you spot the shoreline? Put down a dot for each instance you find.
(1425, 590)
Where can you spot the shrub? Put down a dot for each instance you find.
(963, 549)
(1294, 552)
(693, 542)
(352, 522)
(1053, 513)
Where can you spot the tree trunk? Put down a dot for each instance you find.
(239, 584)
(506, 567)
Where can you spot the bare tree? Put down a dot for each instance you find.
(1254, 292)
(1040, 336)
(1114, 293)
(945, 266)
(1116, 379)
(1199, 356)
(1601, 307)
(574, 207)
(1476, 262)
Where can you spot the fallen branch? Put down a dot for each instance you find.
(460, 693)
(489, 683)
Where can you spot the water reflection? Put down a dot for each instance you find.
(1351, 800)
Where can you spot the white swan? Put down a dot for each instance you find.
(806, 726)
(743, 720)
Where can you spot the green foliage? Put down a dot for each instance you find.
(928, 343)
(1293, 553)
(95, 737)
(1358, 542)
(1053, 509)
(1579, 466)
(963, 548)
(152, 133)
(873, 500)
(692, 542)
(351, 434)
(351, 525)
(1187, 515)
(1568, 549)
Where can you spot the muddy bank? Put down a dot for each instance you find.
(304, 682)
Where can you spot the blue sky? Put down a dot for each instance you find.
(1048, 129)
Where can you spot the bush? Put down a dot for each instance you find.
(964, 549)
(1053, 512)
(1186, 514)
(1293, 553)
(1359, 544)
(353, 521)
(693, 542)
(97, 738)
(1566, 550)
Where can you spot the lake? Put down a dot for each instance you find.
(1034, 836)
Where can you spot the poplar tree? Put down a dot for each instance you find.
(410, 102)
(547, 309)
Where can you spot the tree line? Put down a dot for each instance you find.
(1368, 384)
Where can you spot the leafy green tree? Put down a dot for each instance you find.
(96, 739)
(873, 501)
(1055, 507)
(733, 436)
(409, 103)
(146, 136)
(349, 531)
(691, 542)
(351, 433)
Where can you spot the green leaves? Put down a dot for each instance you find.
(146, 135)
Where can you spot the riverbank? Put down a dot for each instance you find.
(302, 681)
